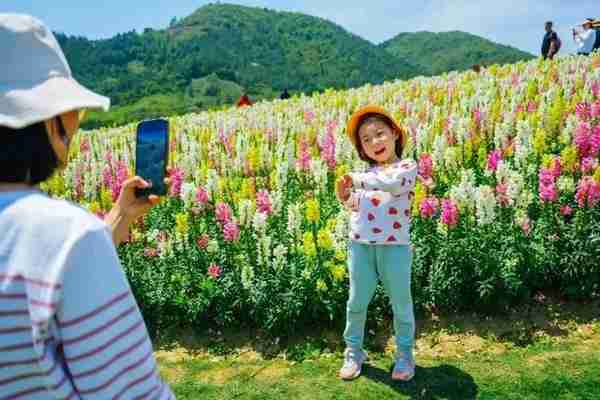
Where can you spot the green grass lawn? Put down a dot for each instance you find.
(545, 352)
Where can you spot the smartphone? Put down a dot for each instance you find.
(152, 155)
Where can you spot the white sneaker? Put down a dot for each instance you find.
(353, 361)
(404, 369)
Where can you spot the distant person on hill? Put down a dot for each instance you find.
(285, 95)
(244, 101)
(585, 39)
(551, 42)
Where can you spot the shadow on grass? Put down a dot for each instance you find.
(440, 382)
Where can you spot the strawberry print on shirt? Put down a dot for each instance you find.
(380, 203)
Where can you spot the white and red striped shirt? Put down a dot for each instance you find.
(70, 327)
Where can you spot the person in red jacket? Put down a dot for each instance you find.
(244, 101)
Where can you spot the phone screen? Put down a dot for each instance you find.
(152, 152)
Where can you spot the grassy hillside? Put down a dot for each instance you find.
(436, 53)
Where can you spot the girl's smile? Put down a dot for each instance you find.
(378, 140)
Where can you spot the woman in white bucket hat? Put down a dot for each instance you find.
(70, 327)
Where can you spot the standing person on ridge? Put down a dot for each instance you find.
(585, 39)
(70, 326)
(380, 202)
(551, 43)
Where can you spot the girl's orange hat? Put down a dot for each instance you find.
(358, 117)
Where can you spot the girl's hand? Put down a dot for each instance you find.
(344, 188)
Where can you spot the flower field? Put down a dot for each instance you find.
(508, 203)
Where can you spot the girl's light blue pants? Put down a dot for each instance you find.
(392, 265)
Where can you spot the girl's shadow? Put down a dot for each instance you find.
(441, 382)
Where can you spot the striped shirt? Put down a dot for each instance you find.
(70, 327)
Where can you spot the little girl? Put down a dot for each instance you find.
(380, 201)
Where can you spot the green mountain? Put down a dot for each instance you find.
(257, 49)
(209, 58)
(436, 53)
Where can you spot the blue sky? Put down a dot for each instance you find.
(515, 22)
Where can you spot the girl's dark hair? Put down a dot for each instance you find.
(26, 155)
(388, 122)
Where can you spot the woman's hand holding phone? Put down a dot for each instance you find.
(129, 207)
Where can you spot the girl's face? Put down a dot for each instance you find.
(378, 140)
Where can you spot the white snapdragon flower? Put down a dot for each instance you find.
(464, 193)
(566, 184)
(188, 194)
(246, 212)
(280, 254)
(485, 203)
(259, 222)
(294, 219)
(213, 246)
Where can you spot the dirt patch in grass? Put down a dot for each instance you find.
(171, 372)
(264, 372)
(175, 355)
(273, 372)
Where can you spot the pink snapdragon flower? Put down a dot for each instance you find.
(502, 195)
(150, 252)
(231, 232)
(583, 111)
(202, 197)
(120, 178)
(547, 185)
(588, 164)
(263, 202)
(425, 166)
(493, 160)
(428, 207)
(548, 193)
(223, 213)
(595, 109)
(303, 162)
(176, 177)
(588, 192)
(566, 210)
(582, 139)
(214, 271)
(595, 142)
(202, 241)
(449, 213)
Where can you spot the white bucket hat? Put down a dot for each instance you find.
(36, 83)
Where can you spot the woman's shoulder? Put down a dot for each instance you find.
(37, 211)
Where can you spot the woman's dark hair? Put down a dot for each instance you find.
(26, 155)
(388, 122)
